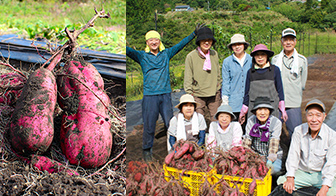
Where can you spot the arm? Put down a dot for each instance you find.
(172, 141)
(274, 140)
(188, 75)
(175, 49)
(329, 168)
(201, 136)
(278, 83)
(247, 142)
(304, 74)
(237, 134)
(219, 75)
(225, 82)
(211, 141)
(133, 54)
(247, 89)
(292, 164)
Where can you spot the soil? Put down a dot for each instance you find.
(18, 177)
(321, 84)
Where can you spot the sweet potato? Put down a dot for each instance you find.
(11, 85)
(252, 186)
(169, 158)
(85, 135)
(32, 123)
(51, 166)
(178, 154)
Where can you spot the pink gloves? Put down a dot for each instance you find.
(283, 110)
(242, 114)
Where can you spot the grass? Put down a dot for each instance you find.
(31, 19)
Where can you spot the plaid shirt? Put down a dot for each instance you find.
(263, 148)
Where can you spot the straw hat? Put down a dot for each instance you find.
(186, 98)
(225, 109)
(237, 38)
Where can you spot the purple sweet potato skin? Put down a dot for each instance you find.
(51, 166)
(85, 137)
(12, 84)
(32, 125)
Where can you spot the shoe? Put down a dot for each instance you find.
(147, 155)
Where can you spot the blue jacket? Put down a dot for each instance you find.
(155, 69)
(234, 79)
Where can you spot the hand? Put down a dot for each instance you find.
(241, 119)
(198, 27)
(289, 185)
(284, 115)
(269, 164)
(282, 108)
(323, 191)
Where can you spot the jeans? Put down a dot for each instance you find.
(152, 106)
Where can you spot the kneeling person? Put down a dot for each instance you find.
(224, 133)
(312, 154)
(263, 132)
(187, 124)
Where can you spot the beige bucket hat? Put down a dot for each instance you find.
(237, 38)
(186, 98)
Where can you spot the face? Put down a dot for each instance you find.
(260, 58)
(262, 114)
(188, 110)
(206, 45)
(153, 44)
(224, 120)
(315, 118)
(238, 48)
(288, 43)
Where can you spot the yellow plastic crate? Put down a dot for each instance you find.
(189, 179)
(263, 187)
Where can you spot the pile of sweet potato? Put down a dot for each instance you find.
(188, 155)
(78, 88)
(148, 179)
(241, 161)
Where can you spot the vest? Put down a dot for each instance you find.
(263, 84)
(224, 140)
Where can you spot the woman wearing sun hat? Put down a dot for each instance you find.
(224, 133)
(187, 124)
(263, 79)
(263, 133)
(234, 70)
(202, 77)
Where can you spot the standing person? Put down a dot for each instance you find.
(312, 154)
(154, 62)
(294, 71)
(224, 133)
(263, 133)
(234, 71)
(263, 79)
(187, 124)
(202, 77)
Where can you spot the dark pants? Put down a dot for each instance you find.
(242, 125)
(208, 106)
(152, 106)
(294, 119)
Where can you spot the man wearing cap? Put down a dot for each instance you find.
(312, 154)
(234, 70)
(154, 62)
(202, 77)
(294, 70)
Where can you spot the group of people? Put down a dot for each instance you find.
(264, 90)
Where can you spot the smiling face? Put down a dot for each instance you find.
(262, 114)
(206, 45)
(224, 120)
(188, 110)
(288, 43)
(260, 58)
(153, 44)
(315, 118)
(238, 48)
